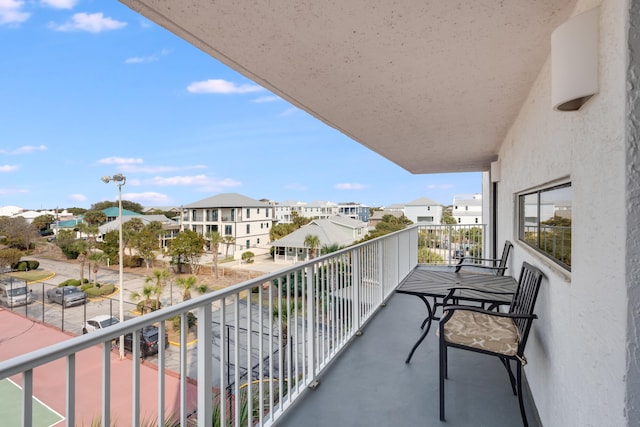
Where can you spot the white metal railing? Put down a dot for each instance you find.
(260, 343)
(445, 244)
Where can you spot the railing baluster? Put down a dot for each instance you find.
(71, 389)
(205, 356)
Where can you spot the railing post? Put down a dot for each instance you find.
(311, 329)
(205, 371)
(356, 287)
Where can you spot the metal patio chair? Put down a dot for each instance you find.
(496, 265)
(503, 335)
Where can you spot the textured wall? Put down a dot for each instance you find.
(633, 216)
(577, 352)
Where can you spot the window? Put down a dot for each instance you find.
(258, 241)
(476, 220)
(544, 221)
(194, 215)
(248, 228)
(227, 230)
(215, 215)
(258, 211)
(248, 213)
(248, 242)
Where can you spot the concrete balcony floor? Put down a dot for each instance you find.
(371, 385)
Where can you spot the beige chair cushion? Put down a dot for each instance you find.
(482, 331)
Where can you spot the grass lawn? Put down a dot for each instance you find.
(30, 276)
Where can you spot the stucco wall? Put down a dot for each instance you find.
(577, 357)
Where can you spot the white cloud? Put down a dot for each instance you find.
(8, 168)
(25, 149)
(120, 161)
(350, 186)
(288, 112)
(158, 169)
(201, 182)
(13, 191)
(266, 99)
(77, 197)
(146, 59)
(59, 4)
(221, 86)
(149, 196)
(92, 23)
(11, 12)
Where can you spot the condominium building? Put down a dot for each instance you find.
(247, 221)
(467, 209)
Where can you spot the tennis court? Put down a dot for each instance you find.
(11, 407)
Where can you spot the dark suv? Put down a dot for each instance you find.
(148, 341)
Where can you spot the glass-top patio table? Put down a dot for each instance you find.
(430, 283)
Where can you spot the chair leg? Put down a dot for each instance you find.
(443, 368)
(520, 398)
(507, 365)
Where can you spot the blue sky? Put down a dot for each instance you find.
(91, 88)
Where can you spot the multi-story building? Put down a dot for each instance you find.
(424, 210)
(467, 209)
(354, 210)
(247, 221)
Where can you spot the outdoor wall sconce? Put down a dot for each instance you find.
(574, 61)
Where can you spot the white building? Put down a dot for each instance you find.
(338, 230)
(467, 209)
(247, 221)
(424, 210)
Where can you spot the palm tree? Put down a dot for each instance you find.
(160, 278)
(189, 283)
(214, 240)
(228, 241)
(144, 296)
(95, 258)
(313, 243)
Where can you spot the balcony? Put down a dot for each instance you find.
(320, 343)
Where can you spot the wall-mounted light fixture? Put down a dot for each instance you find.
(574, 61)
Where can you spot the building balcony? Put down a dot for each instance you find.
(319, 343)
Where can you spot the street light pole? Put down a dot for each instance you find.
(119, 180)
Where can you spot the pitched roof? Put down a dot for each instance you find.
(113, 211)
(227, 200)
(423, 201)
(335, 230)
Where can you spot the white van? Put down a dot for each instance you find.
(14, 292)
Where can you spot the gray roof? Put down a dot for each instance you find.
(424, 201)
(335, 230)
(146, 219)
(227, 200)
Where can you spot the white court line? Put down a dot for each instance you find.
(62, 418)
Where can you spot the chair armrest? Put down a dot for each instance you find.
(452, 308)
(462, 288)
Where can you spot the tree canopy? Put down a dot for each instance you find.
(126, 204)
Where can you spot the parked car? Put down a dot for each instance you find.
(148, 341)
(99, 322)
(14, 293)
(67, 296)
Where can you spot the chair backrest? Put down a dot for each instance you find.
(525, 298)
(502, 265)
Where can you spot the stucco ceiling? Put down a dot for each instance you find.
(432, 85)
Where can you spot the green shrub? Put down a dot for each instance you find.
(248, 257)
(191, 321)
(132, 261)
(107, 289)
(93, 291)
(70, 252)
(70, 282)
(148, 306)
(86, 286)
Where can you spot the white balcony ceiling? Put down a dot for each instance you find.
(432, 85)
